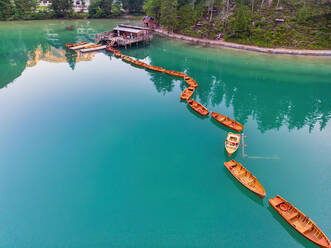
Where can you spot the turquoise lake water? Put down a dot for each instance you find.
(95, 152)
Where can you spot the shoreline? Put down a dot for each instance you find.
(221, 43)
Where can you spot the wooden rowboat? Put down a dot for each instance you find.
(118, 54)
(92, 46)
(139, 63)
(126, 58)
(245, 177)
(197, 107)
(187, 93)
(232, 143)
(175, 73)
(110, 49)
(131, 60)
(228, 122)
(68, 45)
(80, 47)
(299, 221)
(85, 50)
(155, 68)
(190, 81)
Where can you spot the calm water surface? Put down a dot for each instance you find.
(95, 152)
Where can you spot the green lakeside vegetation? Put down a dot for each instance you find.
(30, 9)
(303, 24)
(267, 23)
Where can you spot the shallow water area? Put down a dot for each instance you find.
(96, 152)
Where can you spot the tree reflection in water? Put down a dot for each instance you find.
(272, 96)
(23, 44)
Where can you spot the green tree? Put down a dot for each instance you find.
(241, 24)
(116, 9)
(6, 9)
(24, 8)
(133, 6)
(62, 8)
(153, 9)
(100, 9)
(169, 14)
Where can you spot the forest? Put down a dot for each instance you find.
(303, 24)
(31, 10)
(266, 23)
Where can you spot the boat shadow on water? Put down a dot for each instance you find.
(244, 190)
(295, 235)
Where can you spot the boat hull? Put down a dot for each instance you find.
(293, 216)
(256, 189)
(190, 81)
(70, 45)
(197, 107)
(228, 122)
(230, 150)
(175, 73)
(187, 93)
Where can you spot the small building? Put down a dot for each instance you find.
(124, 35)
(81, 5)
(77, 5)
(148, 22)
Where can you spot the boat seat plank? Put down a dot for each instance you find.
(301, 226)
(293, 215)
(308, 229)
(277, 201)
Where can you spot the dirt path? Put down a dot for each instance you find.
(241, 46)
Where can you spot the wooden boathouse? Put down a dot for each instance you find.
(125, 35)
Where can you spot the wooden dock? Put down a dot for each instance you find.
(80, 47)
(93, 49)
(125, 35)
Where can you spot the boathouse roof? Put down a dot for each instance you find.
(128, 29)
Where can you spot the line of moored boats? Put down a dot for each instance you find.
(85, 47)
(299, 221)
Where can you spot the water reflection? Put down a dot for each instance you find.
(24, 44)
(272, 103)
(162, 83)
(290, 99)
(55, 55)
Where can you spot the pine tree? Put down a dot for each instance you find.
(62, 8)
(153, 9)
(6, 10)
(242, 22)
(169, 14)
(24, 8)
(100, 9)
(133, 5)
